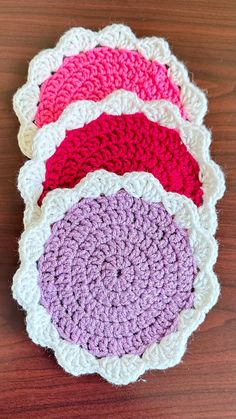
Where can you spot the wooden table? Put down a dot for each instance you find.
(203, 35)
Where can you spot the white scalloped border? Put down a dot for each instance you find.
(74, 359)
(79, 39)
(196, 138)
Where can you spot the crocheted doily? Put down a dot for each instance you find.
(120, 144)
(115, 275)
(158, 141)
(90, 65)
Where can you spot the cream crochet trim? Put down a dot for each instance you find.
(74, 359)
(77, 40)
(48, 138)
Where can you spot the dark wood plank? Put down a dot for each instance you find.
(203, 35)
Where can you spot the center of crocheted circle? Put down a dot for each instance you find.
(115, 274)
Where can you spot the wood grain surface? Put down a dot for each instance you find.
(32, 385)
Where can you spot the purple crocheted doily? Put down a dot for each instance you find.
(115, 274)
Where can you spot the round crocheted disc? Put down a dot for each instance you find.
(115, 273)
(122, 144)
(94, 74)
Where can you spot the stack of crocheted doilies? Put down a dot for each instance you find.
(118, 248)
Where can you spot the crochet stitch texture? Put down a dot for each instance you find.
(196, 140)
(117, 255)
(89, 65)
(121, 144)
(94, 74)
(115, 273)
(180, 224)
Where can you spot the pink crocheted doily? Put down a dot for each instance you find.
(88, 65)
